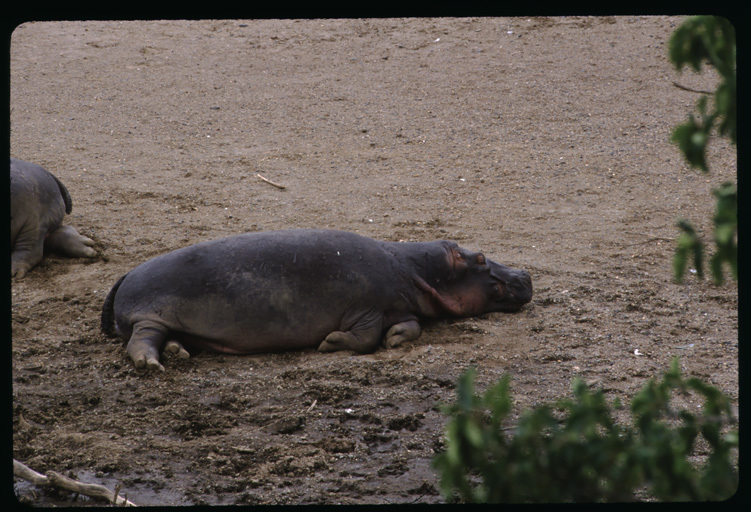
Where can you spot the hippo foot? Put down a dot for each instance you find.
(174, 347)
(362, 342)
(18, 271)
(332, 342)
(23, 260)
(144, 357)
(145, 342)
(148, 362)
(66, 241)
(401, 332)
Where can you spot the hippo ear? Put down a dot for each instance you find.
(458, 262)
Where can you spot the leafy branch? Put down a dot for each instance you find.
(574, 450)
(708, 40)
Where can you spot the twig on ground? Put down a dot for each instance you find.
(277, 185)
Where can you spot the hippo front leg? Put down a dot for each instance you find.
(22, 260)
(27, 251)
(145, 344)
(401, 332)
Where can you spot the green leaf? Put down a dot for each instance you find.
(691, 139)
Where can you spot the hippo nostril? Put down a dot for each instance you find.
(522, 292)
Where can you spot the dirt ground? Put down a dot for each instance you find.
(541, 141)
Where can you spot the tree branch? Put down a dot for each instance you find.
(54, 479)
(689, 89)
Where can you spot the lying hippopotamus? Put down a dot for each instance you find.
(38, 203)
(298, 288)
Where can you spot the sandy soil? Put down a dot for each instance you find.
(541, 141)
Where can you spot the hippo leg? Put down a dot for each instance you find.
(363, 337)
(175, 347)
(401, 332)
(145, 344)
(28, 250)
(67, 241)
(22, 261)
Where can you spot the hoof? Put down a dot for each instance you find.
(174, 347)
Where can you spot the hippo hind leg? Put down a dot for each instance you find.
(145, 344)
(401, 332)
(348, 340)
(67, 241)
(364, 336)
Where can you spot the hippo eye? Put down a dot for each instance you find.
(481, 259)
(496, 288)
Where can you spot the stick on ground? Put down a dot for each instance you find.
(277, 185)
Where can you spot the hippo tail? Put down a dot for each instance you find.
(108, 310)
(66, 195)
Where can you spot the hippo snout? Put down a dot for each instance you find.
(523, 290)
(519, 287)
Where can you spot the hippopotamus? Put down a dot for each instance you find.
(301, 288)
(38, 203)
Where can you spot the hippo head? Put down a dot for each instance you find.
(467, 284)
(512, 288)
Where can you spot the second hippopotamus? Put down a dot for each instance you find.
(38, 203)
(299, 288)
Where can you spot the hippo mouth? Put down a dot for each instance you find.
(519, 290)
(523, 291)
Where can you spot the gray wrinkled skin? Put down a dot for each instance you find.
(38, 203)
(294, 289)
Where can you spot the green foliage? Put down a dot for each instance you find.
(574, 451)
(711, 40)
(726, 227)
(688, 244)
